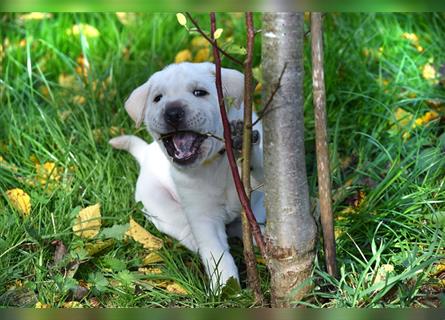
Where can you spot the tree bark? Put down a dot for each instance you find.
(290, 229)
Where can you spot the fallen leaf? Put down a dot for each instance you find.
(88, 222)
(151, 270)
(35, 16)
(20, 200)
(382, 273)
(72, 305)
(126, 18)
(412, 37)
(176, 288)
(428, 72)
(98, 246)
(151, 258)
(84, 29)
(79, 292)
(59, 252)
(183, 55)
(40, 305)
(68, 81)
(139, 234)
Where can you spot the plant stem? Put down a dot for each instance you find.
(245, 203)
(249, 254)
(321, 141)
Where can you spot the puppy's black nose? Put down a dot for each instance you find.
(174, 115)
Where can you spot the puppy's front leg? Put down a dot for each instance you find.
(208, 227)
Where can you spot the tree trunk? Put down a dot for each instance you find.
(290, 230)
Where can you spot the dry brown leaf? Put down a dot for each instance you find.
(142, 236)
(88, 222)
(20, 200)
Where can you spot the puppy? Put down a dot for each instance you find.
(185, 183)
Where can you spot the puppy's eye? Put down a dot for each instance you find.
(157, 98)
(200, 93)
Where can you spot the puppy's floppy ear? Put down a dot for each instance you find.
(233, 87)
(137, 102)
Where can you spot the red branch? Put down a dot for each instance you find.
(228, 144)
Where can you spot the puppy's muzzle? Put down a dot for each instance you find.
(174, 115)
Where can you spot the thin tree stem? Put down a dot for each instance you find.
(211, 40)
(321, 141)
(245, 203)
(249, 254)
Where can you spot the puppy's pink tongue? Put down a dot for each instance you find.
(183, 144)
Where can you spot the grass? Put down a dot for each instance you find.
(388, 180)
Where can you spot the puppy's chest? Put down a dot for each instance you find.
(213, 186)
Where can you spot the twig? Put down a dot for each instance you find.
(211, 40)
(324, 179)
(269, 101)
(228, 144)
(249, 255)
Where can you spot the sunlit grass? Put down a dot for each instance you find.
(62, 98)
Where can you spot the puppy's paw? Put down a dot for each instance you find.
(237, 127)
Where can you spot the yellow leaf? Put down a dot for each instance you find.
(40, 305)
(412, 37)
(83, 28)
(95, 247)
(217, 33)
(139, 234)
(88, 222)
(68, 81)
(151, 258)
(182, 20)
(20, 200)
(428, 72)
(261, 260)
(382, 273)
(126, 18)
(35, 16)
(150, 270)
(183, 55)
(176, 288)
(403, 118)
(202, 55)
(78, 99)
(72, 305)
(199, 42)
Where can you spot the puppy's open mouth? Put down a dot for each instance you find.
(183, 146)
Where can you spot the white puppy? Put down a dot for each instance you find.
(185, 183)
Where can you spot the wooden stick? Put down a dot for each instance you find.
(245, 203)
(323, 167)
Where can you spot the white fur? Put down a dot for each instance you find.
(195, 202)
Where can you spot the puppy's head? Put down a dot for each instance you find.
(180, 107)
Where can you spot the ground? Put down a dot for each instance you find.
(63, 81)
